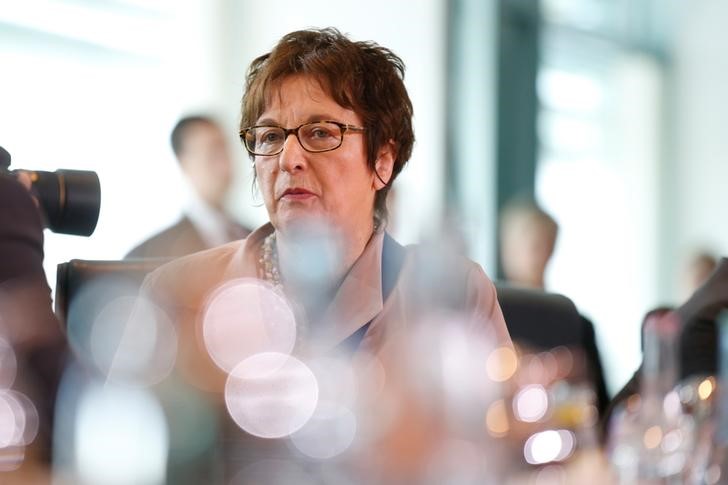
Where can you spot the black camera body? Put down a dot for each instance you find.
(69, 200)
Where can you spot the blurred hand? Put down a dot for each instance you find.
(699, 339)
(26, 181)
(24, 178)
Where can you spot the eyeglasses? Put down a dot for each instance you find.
(314, 137)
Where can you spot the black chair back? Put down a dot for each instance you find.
(539, 319)
(74, 275)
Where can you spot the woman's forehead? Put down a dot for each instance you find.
(301, 95)
(295, 89)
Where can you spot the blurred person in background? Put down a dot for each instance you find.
(32, 344)
(698, 346)
(699, 339)
(528, 239)
(704, 279)
(704, 288)
(199, 145)
(327, 123)
(696, 270)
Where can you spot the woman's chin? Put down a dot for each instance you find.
(295, 221)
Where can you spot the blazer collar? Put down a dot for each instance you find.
(356, 302)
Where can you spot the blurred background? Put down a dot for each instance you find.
(609, 113)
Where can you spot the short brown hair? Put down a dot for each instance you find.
(361, 76)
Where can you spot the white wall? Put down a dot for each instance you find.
(599, 180)
(697, 194)
(646, 210)
(473, 100)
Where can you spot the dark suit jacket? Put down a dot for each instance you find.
(177, 240)
(594, 364)
(541, 322)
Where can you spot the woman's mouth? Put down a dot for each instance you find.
(297, 193)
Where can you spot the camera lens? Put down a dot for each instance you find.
(70, 200)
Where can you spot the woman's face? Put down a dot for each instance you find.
(336, 186)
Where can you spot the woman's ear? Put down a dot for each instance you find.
(384, 165)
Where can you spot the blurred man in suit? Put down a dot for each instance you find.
(199, 144)
(699, 351)
(528, 239)
(699, 265)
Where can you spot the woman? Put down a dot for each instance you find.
(327, 123)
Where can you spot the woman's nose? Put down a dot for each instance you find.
(293, 156)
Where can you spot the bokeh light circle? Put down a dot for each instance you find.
(502, 364)
(19, 413)
(8, 364)
(531, 403)
(455, 360)
(9, 421)
(496, 419)
(548, 446)
(706, 387)
(31, 423)
(329, 432)
(126, 338)
(133, 340)
(245, 317)
(336, 380)
(271, 395)
(120, 435)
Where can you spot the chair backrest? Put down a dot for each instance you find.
(539, 319)
(74, 275)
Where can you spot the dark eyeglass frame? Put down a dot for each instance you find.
(294, 131)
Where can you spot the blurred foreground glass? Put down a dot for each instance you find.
(122, 336)
(711, 460)
(314, 137)
(652, 436)
(547, 421)
(443, 402)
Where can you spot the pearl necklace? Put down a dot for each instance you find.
(269, 261)
(271, 273)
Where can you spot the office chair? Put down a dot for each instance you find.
(540, 320)
(73, 276)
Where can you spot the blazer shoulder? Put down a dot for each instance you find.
(186, 281)
(179, 239)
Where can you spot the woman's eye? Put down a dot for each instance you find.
(271, 136)
(320, 132)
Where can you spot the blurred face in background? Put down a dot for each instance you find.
(206, 162)
(526, 247)
(696, 271)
